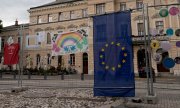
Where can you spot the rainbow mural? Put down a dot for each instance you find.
(73, 37)
(68, 43)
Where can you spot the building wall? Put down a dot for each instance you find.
(78, 21)
(110, 6)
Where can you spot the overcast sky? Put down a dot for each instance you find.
(10, 10)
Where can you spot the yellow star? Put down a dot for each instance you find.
(125, 54)
(123, 48)
(106, 45)
(102, 49)
(113, 68)
(112, 43)
(103, 63)
(119, 66)
(101, 56)
(118, 44)
(107, 67)
(124, 61)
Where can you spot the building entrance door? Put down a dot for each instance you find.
(59, 61)
(160, 66)
(85, 63)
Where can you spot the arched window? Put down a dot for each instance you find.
(48, 38)
(59, 60)
(38, 59)
(72, 59)
(48, 59)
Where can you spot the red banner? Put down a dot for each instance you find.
(11, 54)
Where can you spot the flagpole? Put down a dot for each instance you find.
(145, 45)
(21, 56)
(149, 52)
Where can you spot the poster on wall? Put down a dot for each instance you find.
(40, 37)
(70, 42)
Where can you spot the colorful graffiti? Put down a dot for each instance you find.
(68, 43)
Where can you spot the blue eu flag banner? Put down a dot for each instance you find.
(113, 55)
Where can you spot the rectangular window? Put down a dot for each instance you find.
(156, 3)
(72, 59)
(39, 20)
(139, 4)
(72, 15)
(122, 6)
(84, 13)
(160, 26)
(61, 16)
(140, 29)
(100, 8)
(50, 18)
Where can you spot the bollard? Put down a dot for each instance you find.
(0, 74)
(82, 76)
(29, 75)
(45, 75)
(14, 75)
(62, 76)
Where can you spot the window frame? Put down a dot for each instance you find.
(48, 40)
(100, 9)
(72, 59)
(159, 24)
(39, 20)
(122, 4)
(38, 59)
(72, 14)
(155, 4)
(139, 4)
(60, 17)
(84, 13)
(50, 18)
(140, 29)
(48, 59)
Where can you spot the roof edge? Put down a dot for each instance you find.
(53, 4)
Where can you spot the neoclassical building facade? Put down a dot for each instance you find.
(62, 16)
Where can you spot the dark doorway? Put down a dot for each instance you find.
(59, 61)
(141, 58)
(85, 63)
(160, 66)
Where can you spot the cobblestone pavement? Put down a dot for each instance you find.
(166, 99)
(167, 90)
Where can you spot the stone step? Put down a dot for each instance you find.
(166, 74)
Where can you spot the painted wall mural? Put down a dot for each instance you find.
(69, 43)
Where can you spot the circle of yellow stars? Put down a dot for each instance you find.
(123, 61)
